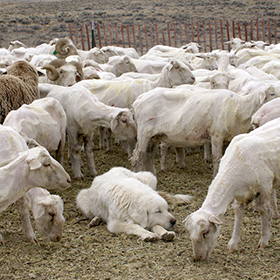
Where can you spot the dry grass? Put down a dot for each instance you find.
(94, 253)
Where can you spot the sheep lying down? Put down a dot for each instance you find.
(128, 202)
(249, 169)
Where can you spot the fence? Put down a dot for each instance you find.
(209, 34)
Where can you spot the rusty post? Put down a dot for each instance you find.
(257, 29)
(122, 35)
(275, 31)
(268, 30)
(70, 31)
(88, 40)
(168, 33)
(110, 34)
(239, 29)
(105, 35)
(140, 38)
(156, 30)
(186, 33)
(128, 38)
(197, 32)
(82, 38)
(99, 36)
(222, 39)
(174, 28)
(263, 31)
(151, 34)
(76, 34)
(116, 32)
(192, 31)
(233, 29)
(252, 30)
(245, 30)
(210, 35)
(134, 39)
(216, 34)
(228, 37)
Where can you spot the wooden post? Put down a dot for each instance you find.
(192, 32)
(197, 32)
(210, 36)
(245, 30)
(156, 30)
(186, 33)
(257, 29)
(252, 35)
(151, 34)
(174, 28)
(122, 35)
(239, 30)
(88, 40)
(233, 29)
(110, 34)
(70, 31)
(228, 37)
(99, 36)
(275, 31)
(222, 39)
(134, 39)
(140, 38)
(105, 36)
(116, 32)
(128, 38)
(263, 31)
(168, 33)
(82, 38)
(268, 30)
(76, 34)
(216, 34)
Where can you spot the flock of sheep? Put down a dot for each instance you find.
(169, 97)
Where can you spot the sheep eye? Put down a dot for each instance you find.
(52, 216)
(205, 233)
(124, 121)
(47, 164)
(158, 212)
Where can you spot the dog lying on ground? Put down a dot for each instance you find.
(128, 202)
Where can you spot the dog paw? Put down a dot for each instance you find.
(168, 236)
(151, 237)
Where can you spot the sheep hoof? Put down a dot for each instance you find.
(231, 250)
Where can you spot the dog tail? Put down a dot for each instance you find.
(82, 201)
(178, 199)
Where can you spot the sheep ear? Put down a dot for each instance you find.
(214, 219)
(115, 120)
(40, 211)
(34, 163)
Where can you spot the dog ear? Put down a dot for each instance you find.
(140, 216)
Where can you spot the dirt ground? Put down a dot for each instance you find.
(94, 253)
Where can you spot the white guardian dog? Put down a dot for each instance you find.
(128, 202)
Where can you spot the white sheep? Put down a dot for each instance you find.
(123, 93)
(84, 113)
(47, 209)
(266, 113)
(248, 170)
(44, 121)
(190, 118)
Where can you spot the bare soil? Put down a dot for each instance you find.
(94, 253)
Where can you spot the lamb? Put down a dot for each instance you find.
(248, 170)
(18, 87)
(47, 209)
(60, 72)
(212, 116)
(84, 113)
(44, 121)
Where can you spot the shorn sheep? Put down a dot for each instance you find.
(22, 169)
(248, 170)
(19, 86)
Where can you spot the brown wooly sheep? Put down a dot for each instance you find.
(19, 86)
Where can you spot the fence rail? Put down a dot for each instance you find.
(209, 34)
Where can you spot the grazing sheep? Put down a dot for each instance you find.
(44, 121)
(47, 209)
(18, 87)
(249, 169)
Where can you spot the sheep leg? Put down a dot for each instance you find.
(101, 137)
(59, 152)
(217, 153)
(138, 158)
(150, 156)
(264, 208)
(119, 226)
(164, 148)
(180, 156)
(75, 147)
(88, 141)
(162, 233)
(25, 220)
(235, 238)
(276, 214)
(95, 222)
(207, 157)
